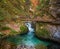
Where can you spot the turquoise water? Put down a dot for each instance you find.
(28, 39)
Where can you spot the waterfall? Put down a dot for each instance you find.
(28, 39)
(29, 27)
(31, 30)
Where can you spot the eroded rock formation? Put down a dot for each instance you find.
(55, 8)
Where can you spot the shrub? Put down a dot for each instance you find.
(23, 29)
(13, 32)
(5, 28)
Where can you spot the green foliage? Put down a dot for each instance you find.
(42, 31)
(13, 32)
(11, 9)
(15, 7)
(43, 7)
(5, 28)
(23, 29)
(1, 34)
(43, 4)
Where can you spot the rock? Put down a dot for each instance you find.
(57, 35)
(52, 46)
(7, 45)
(25, 47)
(55, 8)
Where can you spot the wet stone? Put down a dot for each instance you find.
(25, 47)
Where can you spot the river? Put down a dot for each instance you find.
(28, 39)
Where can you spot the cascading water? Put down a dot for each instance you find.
(30, 27)
(31, 40)
(28, 39)
(31, 30)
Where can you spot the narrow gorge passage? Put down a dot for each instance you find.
(30, 39)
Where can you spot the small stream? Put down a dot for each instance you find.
(28, 39)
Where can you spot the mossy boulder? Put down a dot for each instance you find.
(43, 33)
(23, 29)
(41, 30)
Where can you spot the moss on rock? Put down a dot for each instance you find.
(41, 31)
(14, 29)
(23, 29)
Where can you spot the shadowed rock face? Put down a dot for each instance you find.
(55, 8)
(54, 46)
